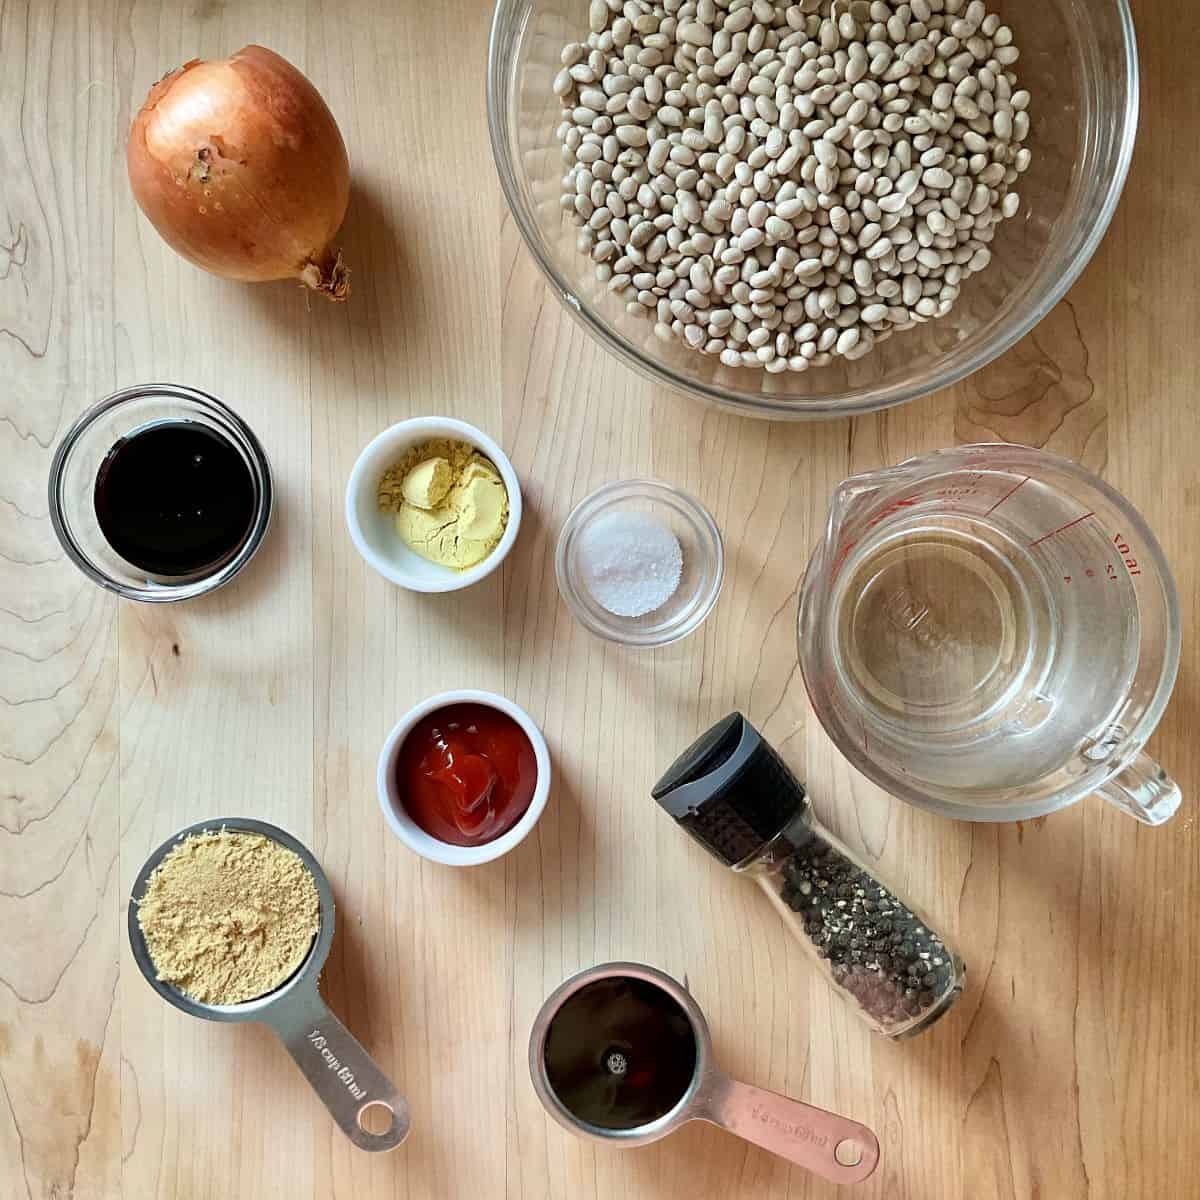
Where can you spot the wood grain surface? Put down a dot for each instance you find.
(1070, 1067)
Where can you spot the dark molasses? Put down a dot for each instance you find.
(620, 1053)
(175, 498)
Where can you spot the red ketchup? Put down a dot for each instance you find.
(466, 774)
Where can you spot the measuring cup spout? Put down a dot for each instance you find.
(1143, 790)
(847, 496)
(853, 495)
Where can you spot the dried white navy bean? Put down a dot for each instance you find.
(781, 183)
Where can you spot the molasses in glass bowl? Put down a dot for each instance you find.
(160, 493)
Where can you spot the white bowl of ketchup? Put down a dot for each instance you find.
(463, 777)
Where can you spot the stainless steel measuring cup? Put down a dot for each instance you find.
(834, 1147)
(355, 1091)
(992, 632)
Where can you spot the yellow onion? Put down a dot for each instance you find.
(240, 166)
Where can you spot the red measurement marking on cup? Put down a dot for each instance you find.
(844, 548)
(842, 554)
(1127, 554)
(1060, 529)
(1006, 495)
(1110, 571)
(890, 509)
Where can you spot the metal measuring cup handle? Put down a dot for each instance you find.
(834, 1147)
(340, 1070)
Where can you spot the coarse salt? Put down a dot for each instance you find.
(629, 562)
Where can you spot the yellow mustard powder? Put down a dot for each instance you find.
(228, 916)
(450, 504)
(427, 483)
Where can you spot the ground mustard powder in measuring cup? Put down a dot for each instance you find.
(450, 504)
(229, 916)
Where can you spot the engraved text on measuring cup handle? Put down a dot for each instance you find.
(834, 1147)
(358, 1095)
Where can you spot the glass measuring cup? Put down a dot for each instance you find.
(611, 1067)
(362, 1100)
(992, 632)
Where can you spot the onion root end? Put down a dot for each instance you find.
(331, 279)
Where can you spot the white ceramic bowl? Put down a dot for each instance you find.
(373, 531)
(410, 833)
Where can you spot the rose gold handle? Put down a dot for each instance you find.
(831, 1146)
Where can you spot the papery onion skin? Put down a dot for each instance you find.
(240, 166)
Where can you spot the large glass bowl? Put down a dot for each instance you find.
(1078, 61)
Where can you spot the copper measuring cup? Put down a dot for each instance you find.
(829, 1145)
(354, 1090)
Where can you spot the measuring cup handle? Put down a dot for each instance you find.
(833, 1147)
(1143, 790)
(341, 1072)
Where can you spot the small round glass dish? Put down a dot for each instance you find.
(73, 480)
(702, 572)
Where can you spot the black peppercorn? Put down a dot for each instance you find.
(876, 948)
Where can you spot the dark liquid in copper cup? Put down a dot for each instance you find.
(620, 1053)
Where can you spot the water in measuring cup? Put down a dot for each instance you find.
(973, 650)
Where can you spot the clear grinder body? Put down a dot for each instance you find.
(733, 794)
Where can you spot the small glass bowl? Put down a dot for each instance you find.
(73, 480)
(703, 563)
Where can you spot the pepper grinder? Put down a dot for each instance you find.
(734, 794)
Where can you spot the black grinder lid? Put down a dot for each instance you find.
(730, 790)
